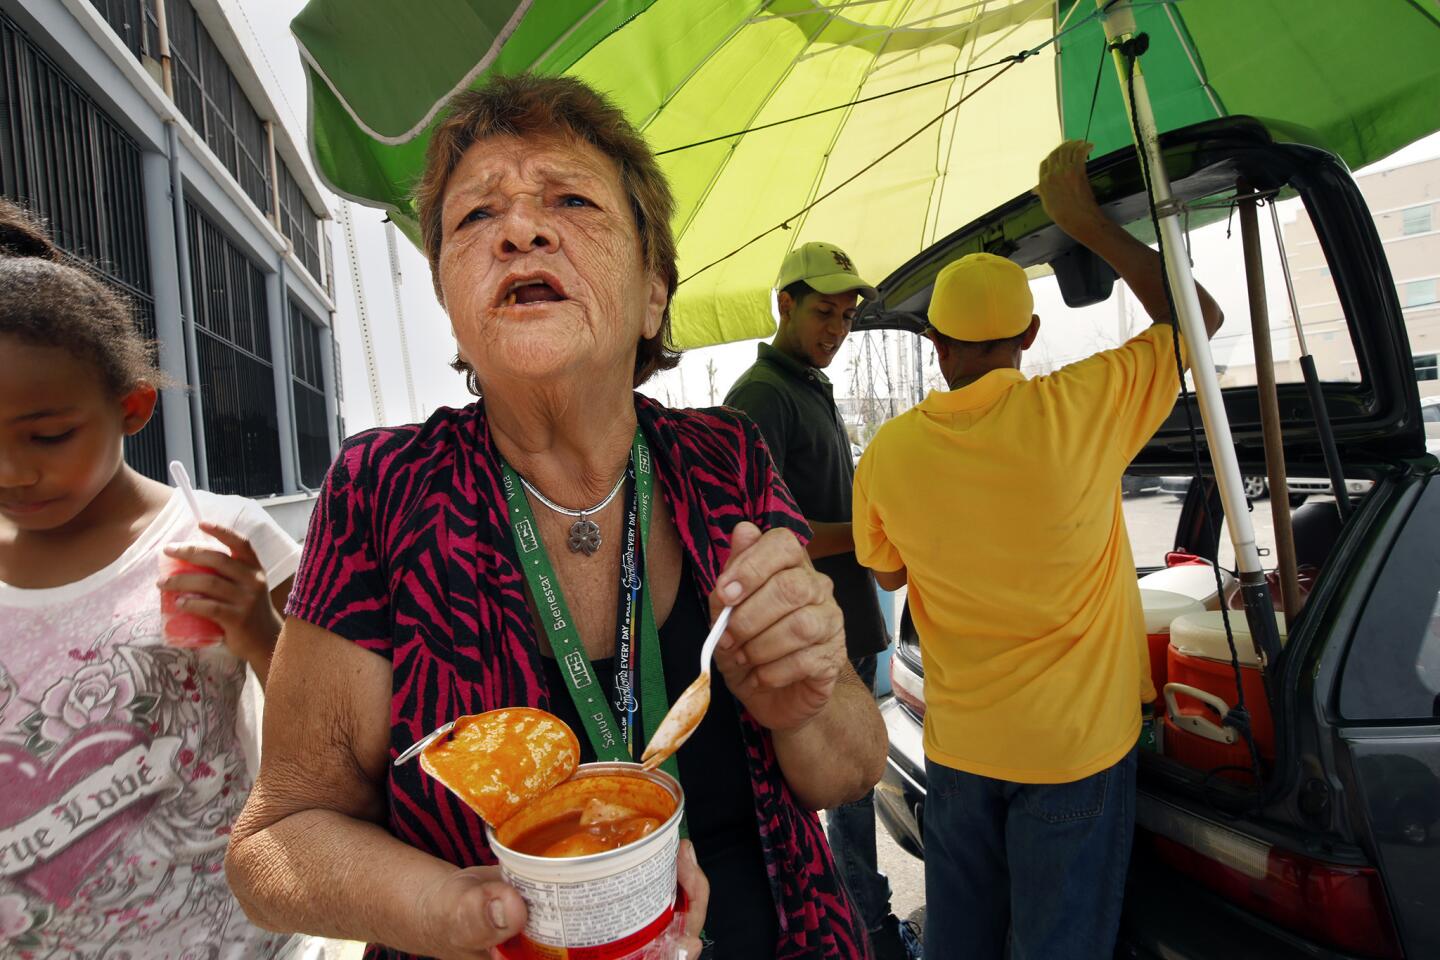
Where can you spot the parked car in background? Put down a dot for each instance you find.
(1330, 850)
(1134, 485)
(1176, 486)
(1302, 488)
(1256, 486)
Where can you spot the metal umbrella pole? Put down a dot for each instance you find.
(1120, 30)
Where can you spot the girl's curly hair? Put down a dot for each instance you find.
(48, 300)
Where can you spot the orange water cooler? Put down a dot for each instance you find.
(1200, 691)
(1171, 593)
(1161, 609)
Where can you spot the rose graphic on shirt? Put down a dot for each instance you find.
(7, 691)
(15, 919)
(94, 694)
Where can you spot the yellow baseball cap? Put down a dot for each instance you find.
(981, 297)
(824, 267)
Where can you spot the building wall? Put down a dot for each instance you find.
(1414, 264)
(113, 69)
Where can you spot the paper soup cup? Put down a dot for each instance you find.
(601, 906)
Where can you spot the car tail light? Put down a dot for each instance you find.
(1341, 906)
(909, 686)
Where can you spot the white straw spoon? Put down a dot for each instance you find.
(181, 477)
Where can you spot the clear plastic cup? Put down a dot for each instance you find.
(179, 628)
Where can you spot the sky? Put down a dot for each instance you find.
(704, 375)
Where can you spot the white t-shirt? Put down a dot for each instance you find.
(124, 762)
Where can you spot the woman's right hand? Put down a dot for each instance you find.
(472, 911)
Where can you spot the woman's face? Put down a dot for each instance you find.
(540, 262)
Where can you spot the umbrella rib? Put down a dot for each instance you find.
(900, 27)
(941, 176)
(840, 106)
(1194, 64)
(908, 27)
(834, 138)
(817, 8)
(937, 189)
(1022, 55)
(675, 91)
(764, 101)
(568, 33)
(846, 182)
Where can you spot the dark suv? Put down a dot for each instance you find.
(1335, 853)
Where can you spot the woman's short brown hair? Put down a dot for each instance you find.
(526, 105)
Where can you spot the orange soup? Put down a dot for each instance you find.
(570, 836)
(588, 815)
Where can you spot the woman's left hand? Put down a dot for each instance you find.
(697, 891)
(235, 595)
(784, 647)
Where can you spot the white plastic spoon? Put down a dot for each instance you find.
(689, 708)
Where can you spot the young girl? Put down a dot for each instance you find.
(123, 759)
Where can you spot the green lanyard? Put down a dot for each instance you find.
(608, 737)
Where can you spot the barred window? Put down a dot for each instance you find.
(299, 222)
(1416, 220)
(307, 380)
(210, 97)
(237, 377)
(135, 22)
(64, 159)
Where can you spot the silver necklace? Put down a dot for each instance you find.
(584, 533)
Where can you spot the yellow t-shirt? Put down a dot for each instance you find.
(1002, 500)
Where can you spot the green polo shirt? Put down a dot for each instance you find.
(794, 406)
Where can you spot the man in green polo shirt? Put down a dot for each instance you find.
(792, 401)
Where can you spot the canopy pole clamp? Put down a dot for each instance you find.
(1170, 207)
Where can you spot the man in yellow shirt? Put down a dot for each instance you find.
(998, 501)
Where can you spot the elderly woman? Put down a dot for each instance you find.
(546, 222)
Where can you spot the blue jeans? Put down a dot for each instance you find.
(1038, 866)
(851, 830)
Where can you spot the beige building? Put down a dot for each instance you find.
(1405, 203)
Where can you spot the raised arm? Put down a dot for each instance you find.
(309, 853)
(1065, 192)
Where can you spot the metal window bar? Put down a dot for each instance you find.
(339, 380)
(135, 22)
(210, 97)
(307, 380)
(127, 19)
(152, 29)
(298, 221)
(329, 263)
(242, 438)
(64, 159)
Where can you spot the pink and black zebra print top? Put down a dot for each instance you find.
(409, 555)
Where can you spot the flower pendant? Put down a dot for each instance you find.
(584, 537)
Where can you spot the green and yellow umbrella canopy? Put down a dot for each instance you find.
(916, 116)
